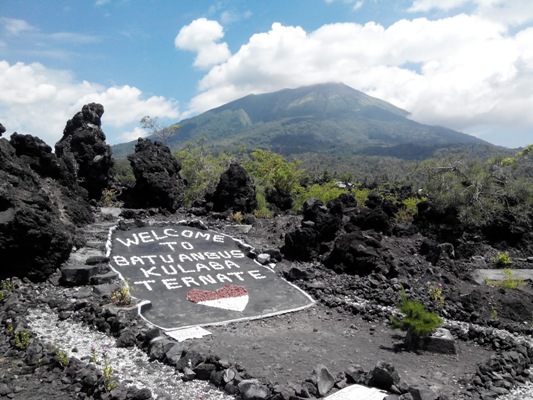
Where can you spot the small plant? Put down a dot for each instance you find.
(107, 372)
(502, 259)
(236, 217)
(62, 358)
(94, 354)
(494, 313)
(122, 297)
(508, 282)
(9, 328)
(416, 319)
(110, 198)
(8, 286)
(435, 293)
(22, 339)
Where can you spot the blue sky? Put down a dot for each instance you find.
(463, 64)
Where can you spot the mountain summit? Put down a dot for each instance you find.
(327, 118)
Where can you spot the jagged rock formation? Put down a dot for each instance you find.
(35, 153)
(235, 191)
(158, 182)
(320, 224)
(34, 236)
(84, 150)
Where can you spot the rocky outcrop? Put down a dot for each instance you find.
(158, 182)
(320, 225)
(34, 237)
(85, 152)
(36, 154)
(235, 191)
(356, 253)
(279, 199)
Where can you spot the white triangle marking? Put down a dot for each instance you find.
(227, 303)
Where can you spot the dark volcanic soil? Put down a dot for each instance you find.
(288, 347)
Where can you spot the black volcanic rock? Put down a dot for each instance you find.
(320, 225)
(280, 199)
(235, 191)
(356, 253)
(157, 179)
(2, 129)
(34, 239)
(84, 150)
(35, 153)
(373, 218)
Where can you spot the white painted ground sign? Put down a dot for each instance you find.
(358, 392)
(193, 277)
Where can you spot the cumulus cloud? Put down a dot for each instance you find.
(201, 36)
(38, 100)
(462, 71)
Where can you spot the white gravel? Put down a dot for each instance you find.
(130, 366)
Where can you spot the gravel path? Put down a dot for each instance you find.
(130, 366)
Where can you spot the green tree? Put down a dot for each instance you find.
(269, 169)
(201, 169)
(155, 128)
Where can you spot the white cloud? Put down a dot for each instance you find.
(38, 100)
(463, 71)
(134, 134)
(356, 4)
(444, 5)
(14, 26)
(202, 36)
(507, 12)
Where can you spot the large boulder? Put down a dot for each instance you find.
(320, 224)
(235, 191)
(157, 179)
(36, 154)
(357, 253)
(34, 236)
(85, 152)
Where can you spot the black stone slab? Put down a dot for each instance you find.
(163, 264)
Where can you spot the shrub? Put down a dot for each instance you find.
(502, 259)
(262, 210)
(22, 339)
(269, 169)
(416, 319)
(121, 296)
(508, 282)
(408, 209)
(324, 192)
(361, 195)
(201, 169)
(123, 171)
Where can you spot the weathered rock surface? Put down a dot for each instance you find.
(73, 201)
(34, 237)
(235, 191)
(158, 182)
(84, 150)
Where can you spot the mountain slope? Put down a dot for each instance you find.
(332, 118)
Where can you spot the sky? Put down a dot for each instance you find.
(462, 64)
